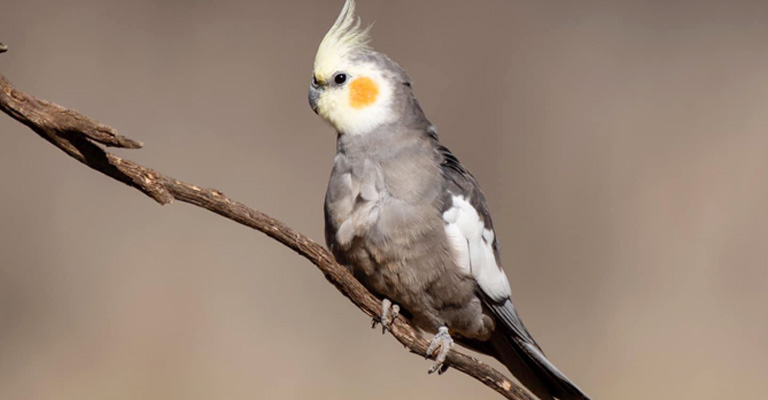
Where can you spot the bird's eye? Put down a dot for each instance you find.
(315, 81)
(340, 79)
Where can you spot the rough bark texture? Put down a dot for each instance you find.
(79, 136)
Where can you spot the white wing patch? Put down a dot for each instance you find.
(473, 245)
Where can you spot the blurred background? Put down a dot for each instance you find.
(621, 144)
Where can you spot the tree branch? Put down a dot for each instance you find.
(78, 136)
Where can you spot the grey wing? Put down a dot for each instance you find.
(470, 230)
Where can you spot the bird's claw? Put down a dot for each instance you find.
(389, 312)
(444, 343)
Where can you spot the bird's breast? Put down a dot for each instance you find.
(352, 201)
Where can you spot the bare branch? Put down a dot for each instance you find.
(78, 136)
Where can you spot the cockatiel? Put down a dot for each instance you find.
(408, 219)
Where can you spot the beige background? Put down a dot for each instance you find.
(622, 146)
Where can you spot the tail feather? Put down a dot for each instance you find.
(516, 349)
(529, 365)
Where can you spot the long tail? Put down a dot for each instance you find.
(516, 349)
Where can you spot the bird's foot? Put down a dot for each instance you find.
(389, 312)
(444, 343)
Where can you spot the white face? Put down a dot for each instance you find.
(355, 99)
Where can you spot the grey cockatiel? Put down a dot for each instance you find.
(408, 219)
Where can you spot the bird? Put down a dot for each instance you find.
(409, 220)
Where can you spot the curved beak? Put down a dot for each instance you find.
(314, 94)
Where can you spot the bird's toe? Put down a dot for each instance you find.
(389, 312)
(442, 343)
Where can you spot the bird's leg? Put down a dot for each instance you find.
(389, 312)
(444, 342)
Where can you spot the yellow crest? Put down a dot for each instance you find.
(345, 36)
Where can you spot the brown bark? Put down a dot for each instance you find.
(79, 136)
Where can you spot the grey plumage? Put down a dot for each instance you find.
(384, 210)
(408, 219)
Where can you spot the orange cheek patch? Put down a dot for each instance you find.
(362, 92)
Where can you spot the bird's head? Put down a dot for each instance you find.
(353, 87)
